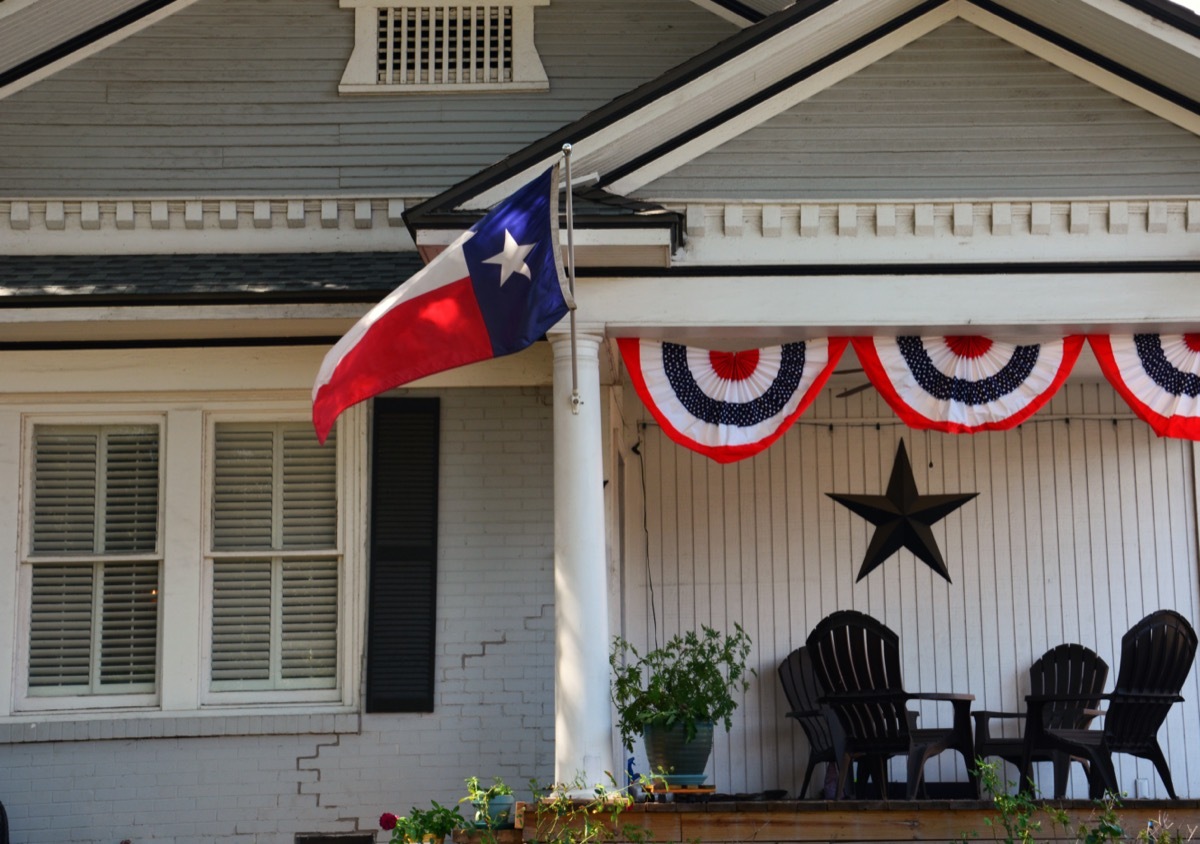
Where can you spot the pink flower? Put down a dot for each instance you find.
(387, 821)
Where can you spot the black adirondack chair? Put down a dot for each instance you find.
(820, 725)
(857, 660)
(1156, 656)
(1070, 670)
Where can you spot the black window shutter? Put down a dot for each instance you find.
(403, 582)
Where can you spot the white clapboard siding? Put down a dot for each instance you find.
(1084, 523)
(241, 96)
(960, 112)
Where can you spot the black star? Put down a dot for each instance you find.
(902, 518)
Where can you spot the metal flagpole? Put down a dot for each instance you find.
(575, 398)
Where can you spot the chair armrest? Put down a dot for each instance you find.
(947, 696)
(806, 713)
(988, 713)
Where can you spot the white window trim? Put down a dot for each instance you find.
(230, 697)
(27, 702)
(180, 700)
(361, 74)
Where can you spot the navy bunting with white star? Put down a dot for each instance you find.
(1158, 375)
(728, 405)
(966, 384)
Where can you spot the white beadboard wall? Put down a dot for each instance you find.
(959, 112)
(1084, 523)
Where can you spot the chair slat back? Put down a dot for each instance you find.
(1156, 656)
(803, 692)
(1068, 669)
(855, 654)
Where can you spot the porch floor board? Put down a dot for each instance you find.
(816, 821)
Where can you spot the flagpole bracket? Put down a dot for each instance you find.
(576, 401)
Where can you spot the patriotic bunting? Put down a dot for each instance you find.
(728, 405)
(1158, 375)
(966, 384)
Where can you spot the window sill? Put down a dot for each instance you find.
(125, 725)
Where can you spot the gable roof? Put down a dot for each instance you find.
(1119, 45)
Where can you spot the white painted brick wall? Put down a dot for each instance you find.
(494, 709)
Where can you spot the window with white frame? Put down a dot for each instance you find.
(443, 46)
(94, 560)
(275, 566)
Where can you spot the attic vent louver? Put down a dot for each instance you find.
(441, 46)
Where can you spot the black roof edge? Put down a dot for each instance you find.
(895, 269)
(83, 39)
(658, 219)
(740, 9)
(1170, 13)
(1089, 55)
(624, 105)
(138, 300)
(168, 343)
(764, 94)
(415, 217)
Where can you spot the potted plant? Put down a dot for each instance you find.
(422, 825)
(494, 805)
(675, 694)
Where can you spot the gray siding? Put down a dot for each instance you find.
(959, 112)
(240, 96)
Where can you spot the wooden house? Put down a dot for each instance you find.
(212, 627)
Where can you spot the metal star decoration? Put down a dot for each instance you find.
(902, 518)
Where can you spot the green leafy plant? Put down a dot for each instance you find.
(481, 798)
(436, 822)
(1017, 811)
(564, 817)
(691, 679)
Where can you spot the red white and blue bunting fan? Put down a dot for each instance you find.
(966, 384)
(1158, 375)
(728, 405)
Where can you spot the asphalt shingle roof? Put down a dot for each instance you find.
(27, 281)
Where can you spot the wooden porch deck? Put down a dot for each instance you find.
(878, 822)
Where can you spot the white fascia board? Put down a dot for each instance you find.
(93, 48)
(793, 96)
(766, 63)
(615, 237)
(1085, 70)
(1144, 22)
(634, 247)
(721, 12)
(765, 309)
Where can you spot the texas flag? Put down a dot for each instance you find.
(492, 292)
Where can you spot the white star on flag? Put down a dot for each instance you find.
(512, 258)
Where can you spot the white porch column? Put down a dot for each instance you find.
(582, 720)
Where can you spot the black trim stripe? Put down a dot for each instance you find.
(81, 41)
(747, 39)
(740, 9)
(1170, 13)
(835, 270)
(174, 343)
(623, 106)
(1090, 55)
(765, 94)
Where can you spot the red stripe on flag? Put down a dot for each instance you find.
(430, 333)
